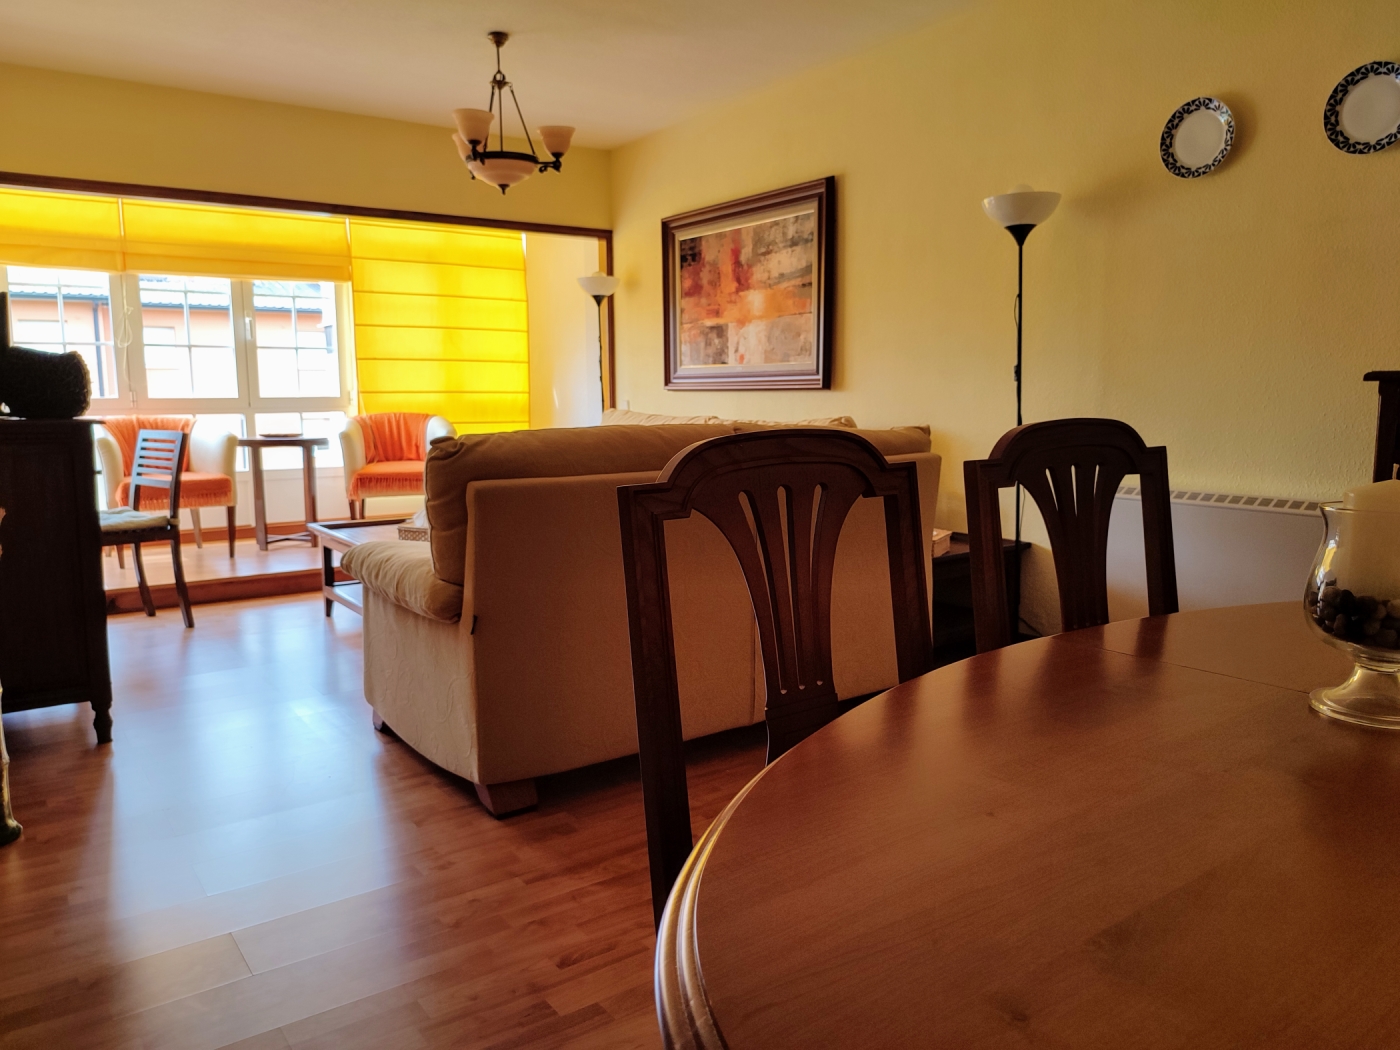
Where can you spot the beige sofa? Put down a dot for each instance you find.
(499, 650)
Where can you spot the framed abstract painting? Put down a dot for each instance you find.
(750, 291)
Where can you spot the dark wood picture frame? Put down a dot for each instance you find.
(822, 194)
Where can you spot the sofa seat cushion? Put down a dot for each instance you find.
(454, 463)
(196, 490)
(395, 477)
(401, 571)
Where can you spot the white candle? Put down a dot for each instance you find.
(1368, 547)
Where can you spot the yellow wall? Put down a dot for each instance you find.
(565, 387)
(63, 124)
(1229, 317)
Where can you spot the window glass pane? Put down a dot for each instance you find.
(187, 326)
(294, 322)
(278, 424)
(327, 425)
(309, 424)
(62, 310)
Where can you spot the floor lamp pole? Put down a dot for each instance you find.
(1019, 212)
(602, 382)
(1020, 232)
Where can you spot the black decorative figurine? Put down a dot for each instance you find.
(39, 385)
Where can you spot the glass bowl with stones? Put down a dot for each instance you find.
(1352, 601)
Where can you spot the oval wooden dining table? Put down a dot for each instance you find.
(1136, 835)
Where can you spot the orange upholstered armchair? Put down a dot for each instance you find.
(384, 454)
(206, 481)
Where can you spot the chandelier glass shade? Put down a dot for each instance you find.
(501, 167)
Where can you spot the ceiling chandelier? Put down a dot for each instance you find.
(502, 167)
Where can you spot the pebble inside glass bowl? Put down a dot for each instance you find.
(1353, 601)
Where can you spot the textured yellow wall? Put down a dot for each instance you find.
(62, 124)
(1229, 317)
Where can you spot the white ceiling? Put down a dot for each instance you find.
(615, 69)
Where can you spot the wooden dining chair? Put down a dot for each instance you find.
(1387, 424)
(155, 465)
(1072, 468)
(779, 498)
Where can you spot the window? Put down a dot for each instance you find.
(62, 310)
(187, 330)
(294, 323)
(259, 356)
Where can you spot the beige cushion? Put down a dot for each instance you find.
(124, 519)
(402, 572)
(617, 417)
(827, 421)
(454, 463)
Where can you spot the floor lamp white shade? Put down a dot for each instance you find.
(599, 285)
(1023, 206)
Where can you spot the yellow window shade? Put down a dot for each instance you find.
(64, 230)
(441, 323)
(201, 239)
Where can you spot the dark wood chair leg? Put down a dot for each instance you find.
(232, 530)
(198, 532)
(121, 558)
(180, 588)
(146, 602)
(102, 721)
(503, 799)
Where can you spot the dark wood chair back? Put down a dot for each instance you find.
(1387, 425)
(155, 466)
(1072, 468)
(780, 497)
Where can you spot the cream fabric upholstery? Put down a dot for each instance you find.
(402, 571)
(536, 677)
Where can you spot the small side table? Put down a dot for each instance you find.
(308, 445)
(341, 536)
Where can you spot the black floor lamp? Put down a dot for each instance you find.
(1020, 211)
(600, 285)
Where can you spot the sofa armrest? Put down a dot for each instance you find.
(401, 571)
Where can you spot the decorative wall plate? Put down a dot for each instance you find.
(1362, 114)
(1197, 138)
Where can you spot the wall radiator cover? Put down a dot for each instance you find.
(1226, 499)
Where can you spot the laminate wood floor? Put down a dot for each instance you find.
(250, 865)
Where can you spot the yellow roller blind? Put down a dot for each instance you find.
(440, 323)
(64, 230)
(88, 232)
(211, 241)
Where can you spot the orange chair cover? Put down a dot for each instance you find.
(395, 448)
(402, 477)
(394, 436)
(125, 429)
(196, 490)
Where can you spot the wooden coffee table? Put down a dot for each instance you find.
(341, 536)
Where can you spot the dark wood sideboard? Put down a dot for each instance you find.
(53, 611)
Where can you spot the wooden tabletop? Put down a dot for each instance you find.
(1136, 835)
(342, 535)
(285, 442)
